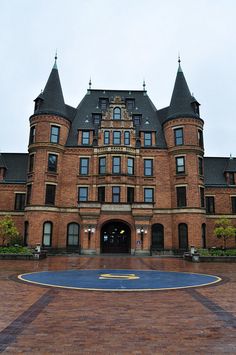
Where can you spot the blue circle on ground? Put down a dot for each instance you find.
(119, 280)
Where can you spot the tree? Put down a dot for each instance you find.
(8, 231)
(224, 229)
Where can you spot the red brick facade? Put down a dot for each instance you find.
(89, 213)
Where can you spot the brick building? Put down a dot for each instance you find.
(116, 175)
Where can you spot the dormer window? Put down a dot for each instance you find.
(96, 118)
(130, 104)
(195, 106)
(117, 113)
(103, 103)
(231, 179)
(137, 120)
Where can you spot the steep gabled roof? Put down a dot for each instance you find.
(182, 102)
(51, 100)
(16, 167)
(214, 170)
(90, 104)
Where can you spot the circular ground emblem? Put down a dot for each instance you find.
(119, 280)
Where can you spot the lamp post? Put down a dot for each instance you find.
(141, 233)
(89, 232)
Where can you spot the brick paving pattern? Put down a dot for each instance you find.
(42, 320)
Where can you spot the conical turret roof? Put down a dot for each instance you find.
(182, 103)
(51, 100)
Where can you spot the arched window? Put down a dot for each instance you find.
(183, 236)
(116, 113)
(204, 235)
(73, 234)
(47, 234)
(157, 236)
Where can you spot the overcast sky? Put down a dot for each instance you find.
(118, 43)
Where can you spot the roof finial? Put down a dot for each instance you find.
(230, 156)
(90, 84)
(144, 85)
(55, 64)
(179, 61)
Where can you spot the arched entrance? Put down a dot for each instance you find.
(115, 237)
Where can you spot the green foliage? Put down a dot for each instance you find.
(15, 250)
(8, 231)
(224, 229)
(217, 252)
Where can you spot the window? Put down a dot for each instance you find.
(130, 194)
(210, 204)
(200, 138)
(147, 139)
(183, 236)
(50, 194)
(102, 165)
(83, 194)
(231, 179)
(116, 137)
(103, 103)
(148, 195)
(148, 167)
(233, 203)
(130, 166)
(55, 134)
(28, 194)
(127, 138)
(96, 118)
(180, 165)
(47, 234)
(137, 120)
(85, 137)
(84, 166)
(130, 104)
(106, 137)
(181, 196)
(52, 162)
(31, 163)
(117, 113)
(101, 194)
(200, 166)
(202, 197)
(32, 135)
(116, 165)
(72, 234)
(179, 136)
(19, 201)
(115, 194)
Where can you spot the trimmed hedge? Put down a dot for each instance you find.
(15, 250)
(217, 252)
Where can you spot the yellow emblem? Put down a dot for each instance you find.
(118, 277)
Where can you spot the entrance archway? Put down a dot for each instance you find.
(115, 237)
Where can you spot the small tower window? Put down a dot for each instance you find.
(137, 120)
(117, 113)
(200, 138)
(96, 118)
(55, 134)
(179, 136)
(130, 103)
(32, 135)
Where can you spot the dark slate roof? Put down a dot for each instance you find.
(90, 104)
(51, 100)
(231, 165)
(16, 167)
(2, 162)
(214, 169)
(181, 100)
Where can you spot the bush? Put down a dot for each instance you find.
(15, 250)
(217, 252)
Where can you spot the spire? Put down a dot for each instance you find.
(90, 84)
(51, 100)
(182, 104)
(144, 85)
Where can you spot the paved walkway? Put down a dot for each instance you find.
(42, 320)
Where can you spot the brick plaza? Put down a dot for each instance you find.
(43, 320)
